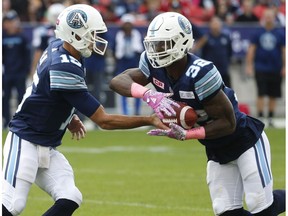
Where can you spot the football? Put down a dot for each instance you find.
(185, 117)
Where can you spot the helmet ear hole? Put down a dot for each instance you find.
(77, 37)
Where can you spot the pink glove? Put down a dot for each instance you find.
(176, 132)
(160, 102)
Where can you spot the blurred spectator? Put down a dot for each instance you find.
(260, 7)
(176, 7)
(36, 10)
(33, 10)
(277, 5)
(128, 47)
(21, 7)
(217, 47)
(227, 10)
(282, 7)
(247, 15)
(107, 10)
(179, 6)
(149, 9)
(44, 34)
(126, 6)
(6, 7)
(280, 17)
(95, 73)
(16, 62)
(201, 11)
(266, 58)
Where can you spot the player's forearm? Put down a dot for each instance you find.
(122, 85)
(250, 55)
(126, 122)
(283, 57)
(219, 128)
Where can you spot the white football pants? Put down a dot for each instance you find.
(25, 163)
(249, 176)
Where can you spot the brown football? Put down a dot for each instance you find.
(185, 117)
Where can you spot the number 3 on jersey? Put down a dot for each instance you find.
(195, 67)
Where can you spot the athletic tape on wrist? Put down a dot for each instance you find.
(137, 91)
(196, 133)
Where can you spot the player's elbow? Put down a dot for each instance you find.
(107, 122)
(116, 84)
(113, 83)
(105, 126)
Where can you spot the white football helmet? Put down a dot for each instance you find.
(79, 25)
(169, 38)
(53, 12)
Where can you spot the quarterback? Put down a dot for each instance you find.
(47, 110)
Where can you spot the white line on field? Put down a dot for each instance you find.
(94, 150)
(135, 204)
(132, 204)
(137, 173)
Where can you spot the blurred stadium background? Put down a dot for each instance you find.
(244, 86)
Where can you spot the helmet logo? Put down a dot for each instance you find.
(185, 25)
(75, 19)
(155, 26)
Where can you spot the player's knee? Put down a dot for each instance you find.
(76, 196)
(18, 206)
(218, 206)
(254, 200)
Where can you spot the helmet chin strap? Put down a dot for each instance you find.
(86, 52)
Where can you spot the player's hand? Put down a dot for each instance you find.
(160, 102)
(76, 127)
(175, 132)
(158, 123)
(249, 70)
(283, 71)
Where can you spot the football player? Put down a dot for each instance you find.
(236, 145)
(47, 110)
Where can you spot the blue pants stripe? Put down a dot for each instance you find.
(13, 160)
(262, 163)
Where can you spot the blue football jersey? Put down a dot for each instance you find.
(44, 113)
(268, 54)
(202, 81)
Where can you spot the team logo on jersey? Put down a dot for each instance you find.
(75, 19)
(186, 95)
(268, 41)
(185, 25)
(158, 83)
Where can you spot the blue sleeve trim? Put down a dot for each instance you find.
(60, 80)
(208, 84)
(143, 65)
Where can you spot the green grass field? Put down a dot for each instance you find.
(127, 173)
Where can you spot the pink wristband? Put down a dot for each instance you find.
(137, 91)
(196, 133)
